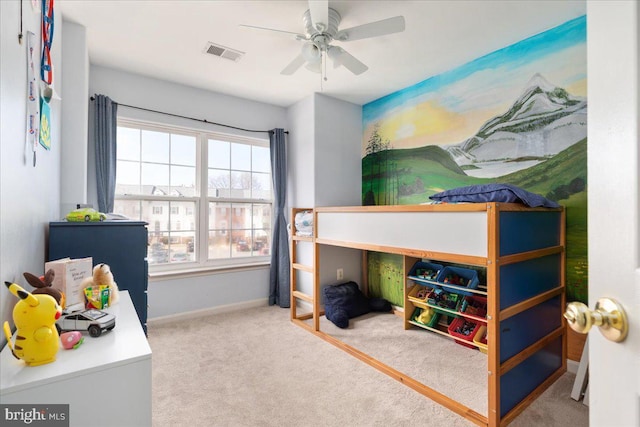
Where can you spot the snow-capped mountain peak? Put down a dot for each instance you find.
(538, 81)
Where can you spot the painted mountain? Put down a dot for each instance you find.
(541, 123)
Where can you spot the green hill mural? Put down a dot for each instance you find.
(496, 119)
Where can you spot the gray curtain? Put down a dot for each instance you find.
(105, 128)
(279, 291)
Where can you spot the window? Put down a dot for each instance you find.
(206, 197)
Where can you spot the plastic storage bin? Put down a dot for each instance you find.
(418, 294)
(481, 338)
(426, 270)
(474, 306)
(433, 320)
(459, 278)
(441, 298)
(459, 326)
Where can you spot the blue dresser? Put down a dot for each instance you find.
(121, 244)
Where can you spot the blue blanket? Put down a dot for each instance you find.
(504, 193)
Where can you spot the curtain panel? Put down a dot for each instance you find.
(105, 129)
(279, 290)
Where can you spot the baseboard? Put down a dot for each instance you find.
(162, 320)
(572, 366)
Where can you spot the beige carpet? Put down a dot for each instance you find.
(258, 369)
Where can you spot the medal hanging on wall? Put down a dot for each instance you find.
(33, 96)
(46, 73)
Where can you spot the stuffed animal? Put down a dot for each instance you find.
(345, 301)
(43, 286)
(102, 276)
(37, 340)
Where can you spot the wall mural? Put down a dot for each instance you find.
(517, 115)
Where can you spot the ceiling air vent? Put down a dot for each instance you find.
(223, 52)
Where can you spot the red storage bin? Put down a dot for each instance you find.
(474, 306)
(458, 327)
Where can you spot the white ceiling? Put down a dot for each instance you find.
(166, 39)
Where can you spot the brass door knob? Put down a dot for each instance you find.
(608, 315)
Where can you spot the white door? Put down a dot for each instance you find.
(614, 231)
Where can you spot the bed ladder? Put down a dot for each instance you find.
(298, 268)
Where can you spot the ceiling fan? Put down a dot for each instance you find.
(321, 28)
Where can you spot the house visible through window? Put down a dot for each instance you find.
(206, 197)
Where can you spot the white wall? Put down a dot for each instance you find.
(338, 176)
(75, 110)
(29, 195)
(325, 170)
(300, 154)
(179, 295)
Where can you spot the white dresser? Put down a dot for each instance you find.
(106, 381)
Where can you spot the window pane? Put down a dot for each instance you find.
(261, 242)
(127, 177)
(240, 157)
(260, 186)
(155, 146)
(128, 208)
(242, 246)
(219, 183)
(261, 161)
(219, 244)
(158, 250)
(241, 229)
(156, 214)
(219, 234)
(180, 247)
(183, 150)
(128, 147)
(155, 179)
(240, 185)
(262, 216)
(183, 180)
(219, 154)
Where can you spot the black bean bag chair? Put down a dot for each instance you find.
(345, 301)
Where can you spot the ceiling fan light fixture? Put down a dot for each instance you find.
(311, 53)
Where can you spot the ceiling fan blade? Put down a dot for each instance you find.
(372, 29)
(319, 10)
(293, 66)
(339, 56)
(297, 36)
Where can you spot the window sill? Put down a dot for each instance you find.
(205, 271)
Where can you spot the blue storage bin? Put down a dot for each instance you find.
(469, 276)
(421, 270)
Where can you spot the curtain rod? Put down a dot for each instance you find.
(191, 118)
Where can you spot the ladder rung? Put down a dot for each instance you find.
(298, 294)
(302, 267)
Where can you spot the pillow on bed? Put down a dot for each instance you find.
(504, 193)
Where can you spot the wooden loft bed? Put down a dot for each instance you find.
(522, 251)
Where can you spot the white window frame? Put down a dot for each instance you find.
(202, 199)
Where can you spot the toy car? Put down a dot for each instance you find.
(94, 321)
(85, 214)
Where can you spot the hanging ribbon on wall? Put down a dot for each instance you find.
(46, 68)
(33, 96)
(46, 73)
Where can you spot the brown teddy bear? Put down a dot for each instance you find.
(102, 276)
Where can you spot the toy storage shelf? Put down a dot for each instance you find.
(521, 250)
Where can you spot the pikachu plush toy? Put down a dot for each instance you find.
(37, 340)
